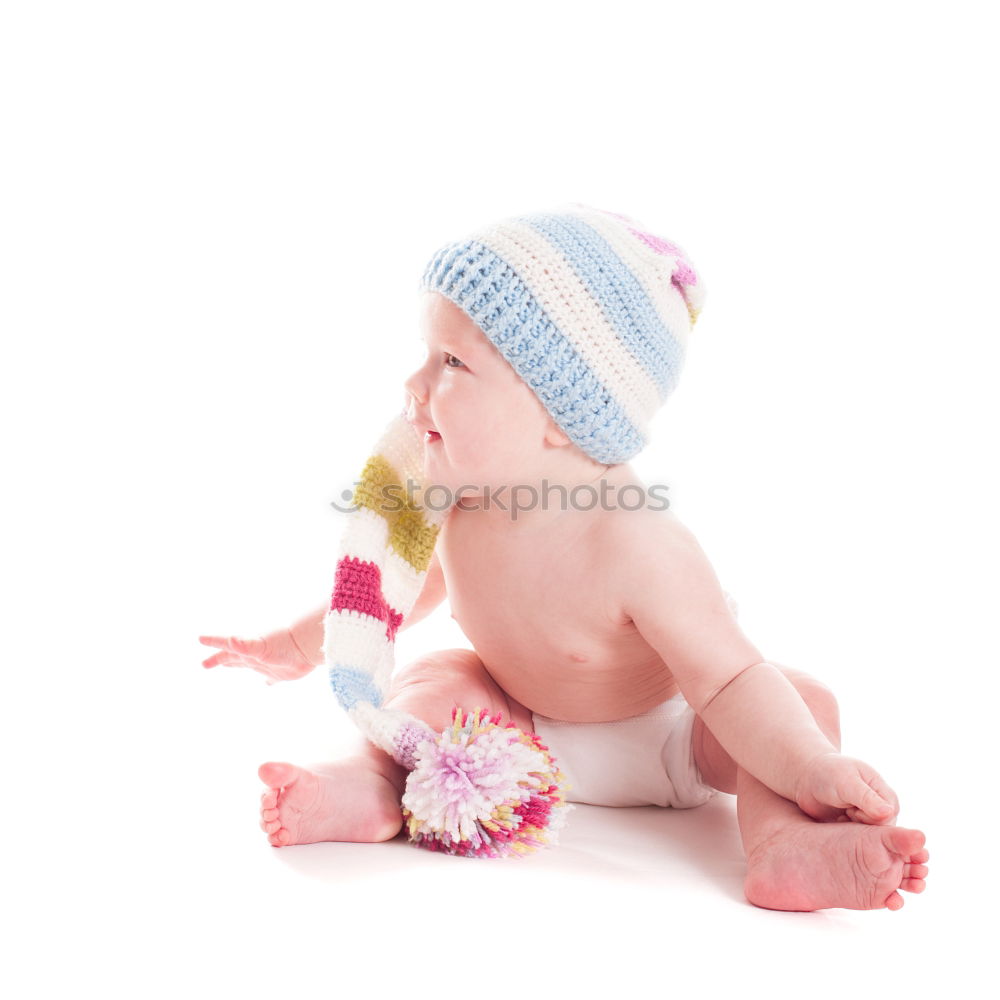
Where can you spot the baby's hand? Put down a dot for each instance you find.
(276, 655)
(835, 787)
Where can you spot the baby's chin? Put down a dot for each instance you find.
(465, 491)
(442, 495)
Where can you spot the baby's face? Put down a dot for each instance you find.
(480, 422)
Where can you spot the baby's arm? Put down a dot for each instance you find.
(290, 653)
(677, 604)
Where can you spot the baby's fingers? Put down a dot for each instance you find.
(227, 659)
(213, 640)
(858, 816)
(220, 642)
(234, 652)
(885, 794)
(231, 644)
(218, 660)
(872, 801)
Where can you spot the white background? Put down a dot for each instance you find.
(214, 217)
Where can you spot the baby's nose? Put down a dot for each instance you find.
(415, 389)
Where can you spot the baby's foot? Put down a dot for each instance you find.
(811, 866)
(341, 801)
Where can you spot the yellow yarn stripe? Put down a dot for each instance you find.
(410, 534)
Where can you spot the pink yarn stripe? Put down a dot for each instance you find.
(358, 587)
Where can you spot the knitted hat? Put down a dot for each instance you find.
(593, 313)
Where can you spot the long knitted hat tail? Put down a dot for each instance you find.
(479, 789)
(381, 567)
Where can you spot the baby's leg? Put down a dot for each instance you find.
(358, 798)
(796, 863)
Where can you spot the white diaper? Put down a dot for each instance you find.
(645, 760)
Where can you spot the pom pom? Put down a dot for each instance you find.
(484, 790)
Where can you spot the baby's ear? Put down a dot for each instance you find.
(556, 436)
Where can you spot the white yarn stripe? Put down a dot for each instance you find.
(652, 270)
(401, 583)
(369, 536)
(580, 318)
(405, 454)
(360, 644)
(382, 726)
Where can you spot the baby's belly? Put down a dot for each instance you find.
(579, 684)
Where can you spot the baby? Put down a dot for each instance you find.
(595, 618)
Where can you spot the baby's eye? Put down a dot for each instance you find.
(451, 357)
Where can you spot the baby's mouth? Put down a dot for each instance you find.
(431, 436)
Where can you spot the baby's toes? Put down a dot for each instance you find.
(894, 901)
(270, 815)
(913, 878)
(269, 811)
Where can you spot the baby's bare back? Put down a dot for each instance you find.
(541, 605)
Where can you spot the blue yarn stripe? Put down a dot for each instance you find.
(472, 276)
(351, 686)
(638, 324)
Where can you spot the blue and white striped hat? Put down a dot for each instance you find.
(589, 308)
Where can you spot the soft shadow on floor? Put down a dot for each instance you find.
(637, 845)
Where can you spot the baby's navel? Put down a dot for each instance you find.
(578, 657)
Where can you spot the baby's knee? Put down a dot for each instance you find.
(807, 685)
(820, 700)
(434, 684)
(442, 667)
(816, 694)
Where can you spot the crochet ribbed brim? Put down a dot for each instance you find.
(592, 311)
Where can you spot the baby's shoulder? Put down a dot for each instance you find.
(629, 533)
(651, 550)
